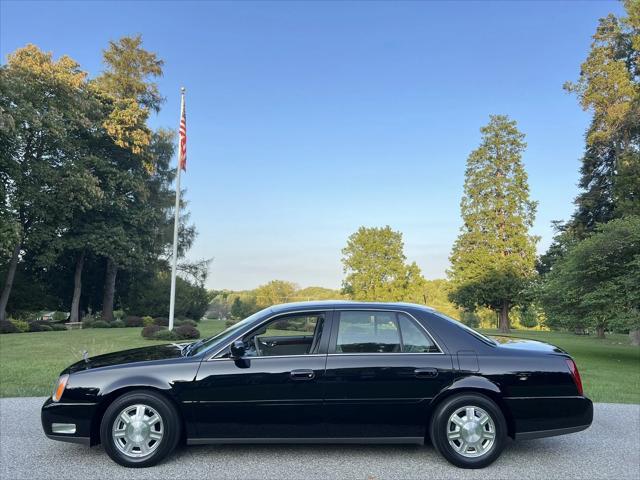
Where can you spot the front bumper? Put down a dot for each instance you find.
(78, 414)
(549, 416)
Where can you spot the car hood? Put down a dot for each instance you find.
(135, 355)
(525, 344)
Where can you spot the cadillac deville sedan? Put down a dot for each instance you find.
(323, 372)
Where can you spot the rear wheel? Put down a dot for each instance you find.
(469, 430)
(139, 429)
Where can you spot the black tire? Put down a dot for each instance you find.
(440, 425)
(171, 426)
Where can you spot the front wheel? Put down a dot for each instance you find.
(139, 429)
(469, 430)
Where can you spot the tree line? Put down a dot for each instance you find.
(87, 201)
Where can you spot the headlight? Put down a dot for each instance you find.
(60, 386)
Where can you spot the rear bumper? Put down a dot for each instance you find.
(78, 414)
(538, 417)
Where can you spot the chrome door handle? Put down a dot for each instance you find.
(426, 372)
(302, 374)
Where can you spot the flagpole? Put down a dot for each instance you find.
(176, 225)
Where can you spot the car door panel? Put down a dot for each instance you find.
(260, 398)
(277, 395)
(383, 393)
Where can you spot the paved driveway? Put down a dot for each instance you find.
(609, 449)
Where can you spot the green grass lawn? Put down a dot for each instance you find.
(31, 362)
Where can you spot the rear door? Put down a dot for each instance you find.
(382, 370)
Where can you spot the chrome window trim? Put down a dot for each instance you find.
(272, 356)
(279, 314)
(415, 320)
(354, 309)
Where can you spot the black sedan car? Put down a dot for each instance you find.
(323, 372)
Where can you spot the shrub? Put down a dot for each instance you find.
(21, 326)
(133, 321)
(58, 327)
(189, 322)
(187, 332)
(118, 314)
(150, 330)
(100, 324)
(146, 321)
(59, 317)
(8, 327)
(161, 321)
(118, 324)
(39, 327)
(230, 322)
(165, 334)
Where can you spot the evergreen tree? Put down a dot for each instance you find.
(493, 258)
(609, 87)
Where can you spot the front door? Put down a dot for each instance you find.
(383, 368)
(275, 390)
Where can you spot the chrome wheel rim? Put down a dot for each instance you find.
(137, 431)
(471, 432)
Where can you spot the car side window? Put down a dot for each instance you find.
(367, 332)
(414, 339)
(284, 336)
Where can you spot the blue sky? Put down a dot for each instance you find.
(307, 120)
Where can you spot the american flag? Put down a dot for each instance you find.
(182, 161)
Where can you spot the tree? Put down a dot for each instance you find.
(44, 114)
(436, 295)
(274, 292)
(493, 257)
(376, 267)
(609, 87)
(243, 307)
(597, 283)
(127, 85)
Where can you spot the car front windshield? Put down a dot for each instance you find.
(207, 343)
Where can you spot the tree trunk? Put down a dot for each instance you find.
(109, 290)
(8, 282)
(77, 289)
(504, 318)
(634, 335)
(600, 332)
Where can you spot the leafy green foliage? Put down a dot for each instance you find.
(493, 258)
(275, 292)
(376, 267)
(21, 325)
(149, 296)
(596, 284)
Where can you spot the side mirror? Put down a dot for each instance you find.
(238, 349)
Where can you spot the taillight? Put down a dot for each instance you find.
(573, 368)
(60, 386)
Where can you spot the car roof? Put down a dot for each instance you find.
(332, 304)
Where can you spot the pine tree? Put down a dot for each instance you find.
(609, 87)
(494, 255)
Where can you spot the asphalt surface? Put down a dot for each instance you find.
(609, 449)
